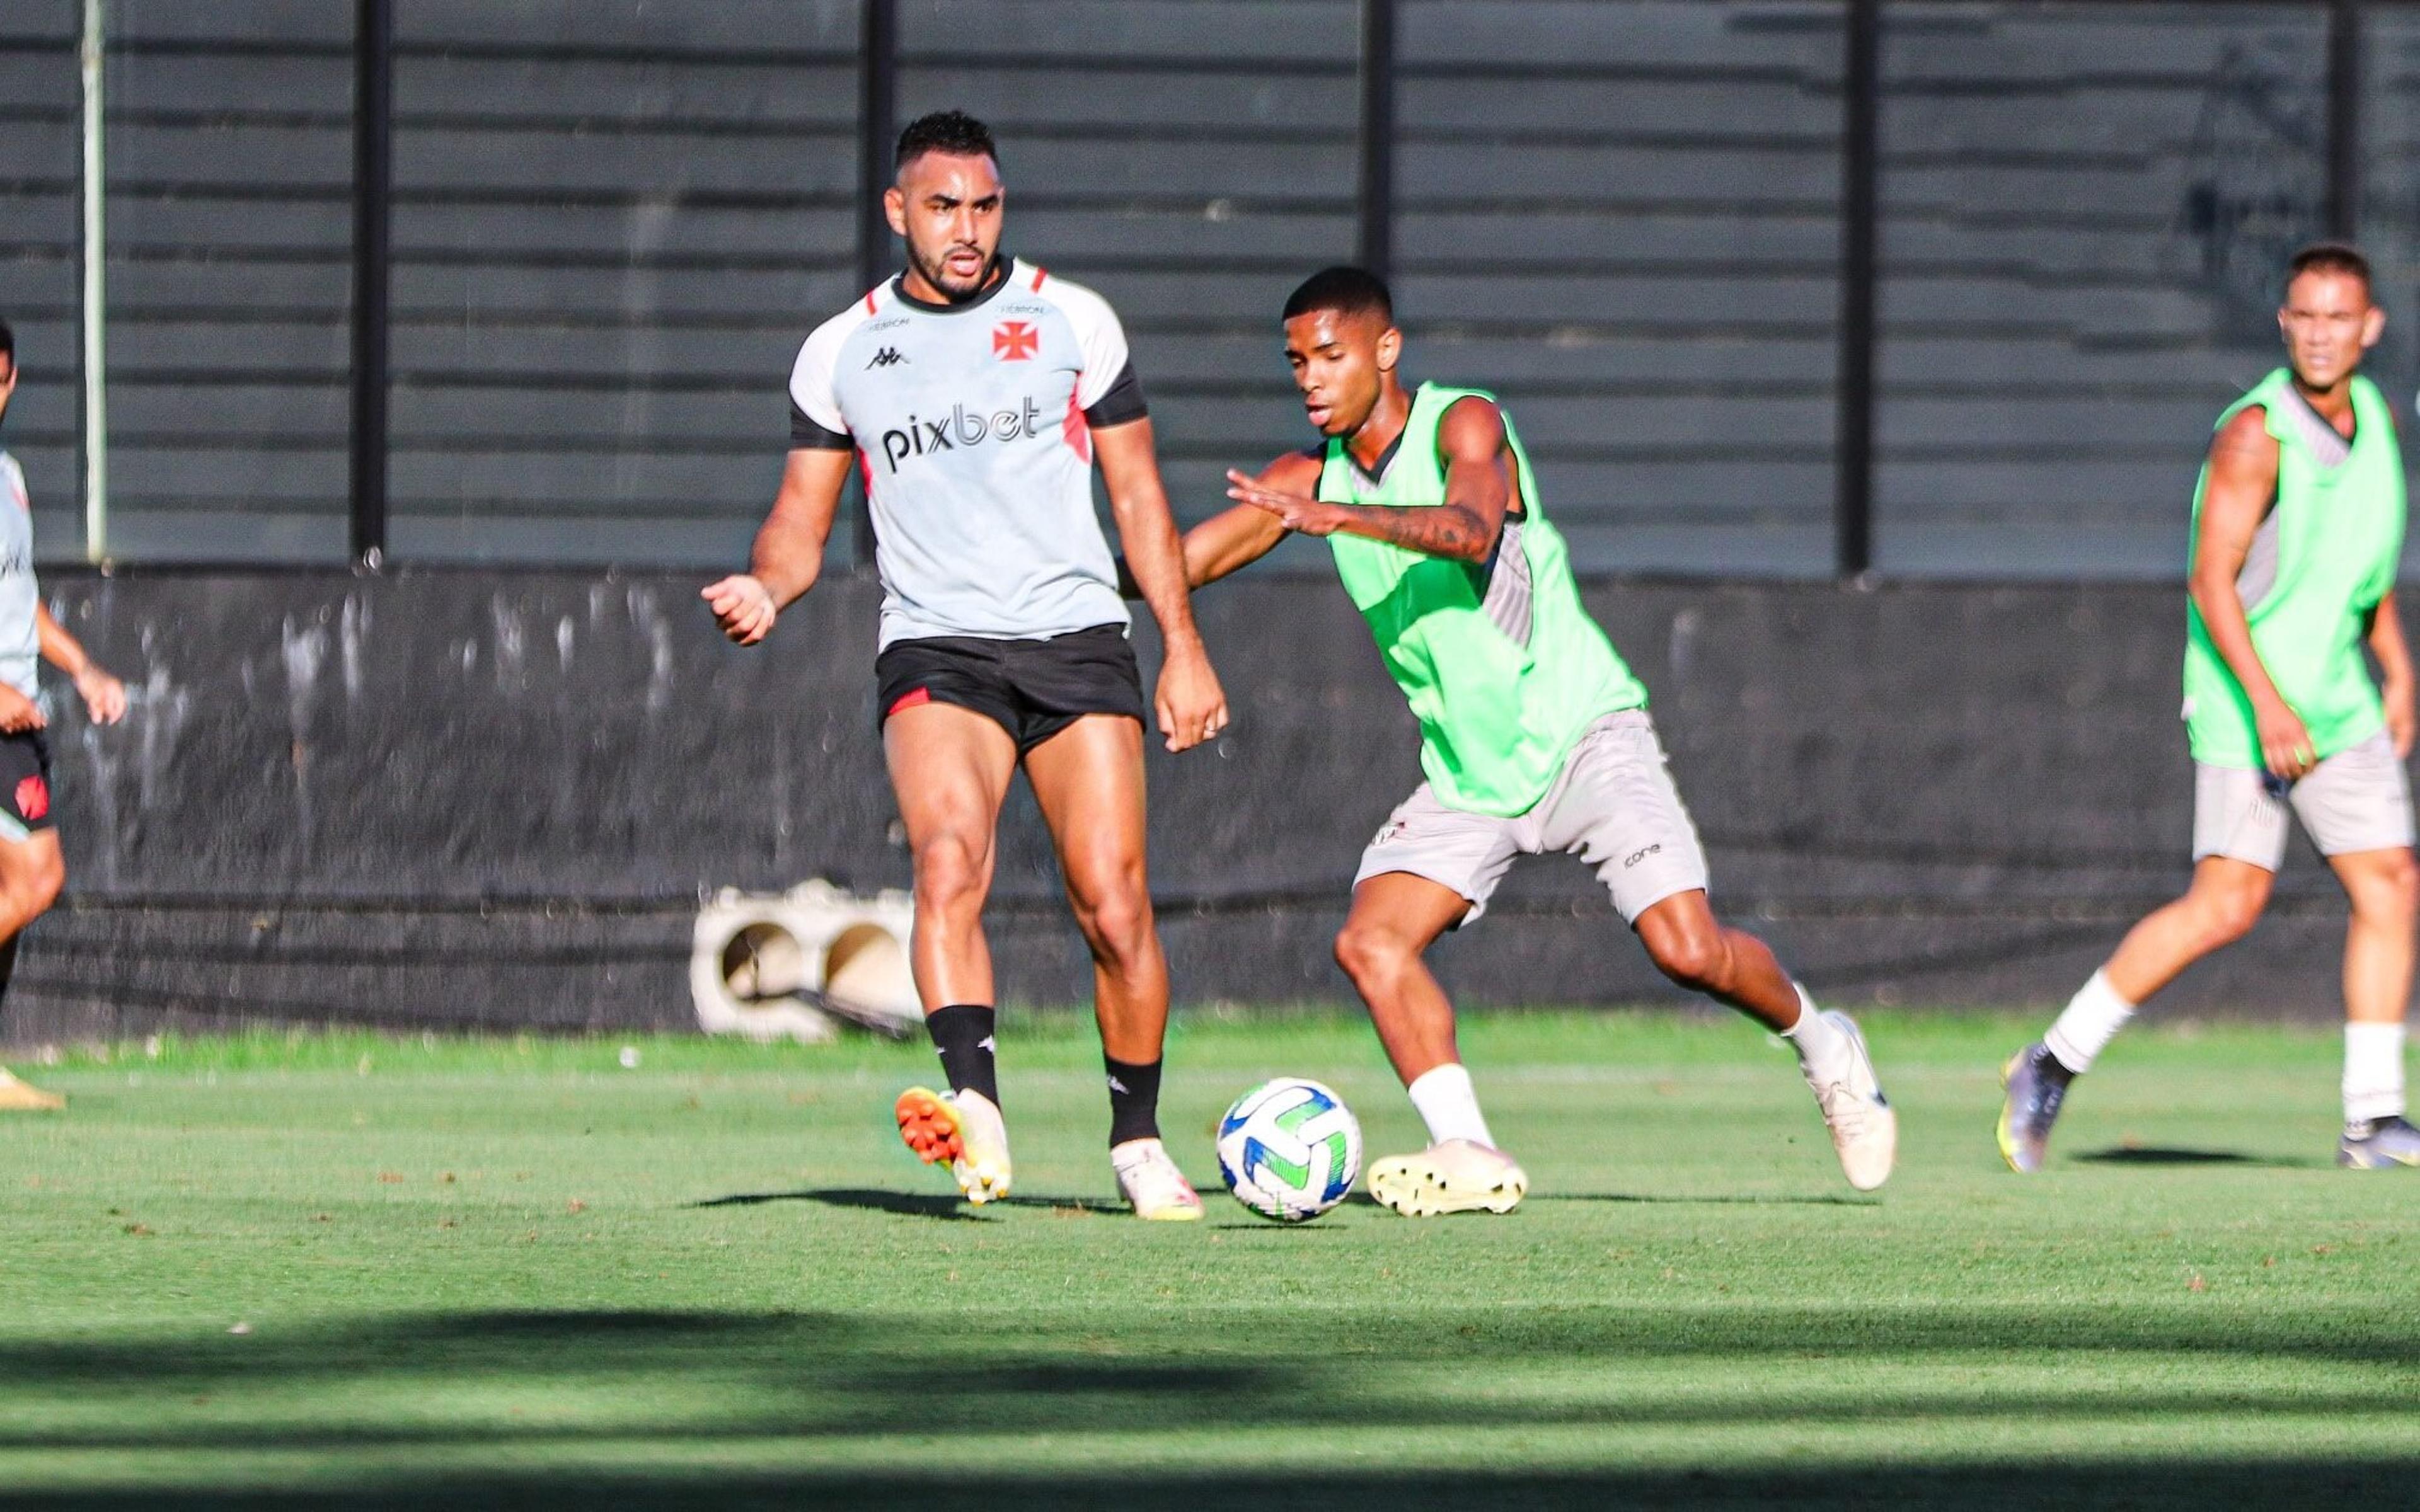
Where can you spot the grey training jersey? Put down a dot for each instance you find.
(972, 425)
(21, 640)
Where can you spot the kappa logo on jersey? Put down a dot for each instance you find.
(887, 357)
(33, 798)
(1014, 341)
(959, 428)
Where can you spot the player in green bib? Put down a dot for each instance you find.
(2298, 530)
(1534, 735)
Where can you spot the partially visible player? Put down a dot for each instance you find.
(1534, 735)
(974, 390)
(2298, 530)
(31, 869)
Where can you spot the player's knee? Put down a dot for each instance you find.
(1116, 921)
(1367, 953)
(950, 875)
(2227, 916)
(2393, 889)
(1691, 958)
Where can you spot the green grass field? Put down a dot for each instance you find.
(328, 1269)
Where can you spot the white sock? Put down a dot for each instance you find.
(2093, 1017)
(1448, 1106)
(2373, 1071)
(1823, 1048)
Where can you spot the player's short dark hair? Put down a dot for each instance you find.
(952, 132)
(1344, 289)
(2329, 257)
(8, 344)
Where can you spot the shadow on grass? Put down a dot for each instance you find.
(940, 1205)
(1828, 1200)
(805, 1388)
(2172, 1155)
(2147, 1487)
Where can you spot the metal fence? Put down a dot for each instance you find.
(1783, 287)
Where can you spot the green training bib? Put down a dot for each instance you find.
(2324, 557)
(1499, 661)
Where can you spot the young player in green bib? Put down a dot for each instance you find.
(2298, 529)
(1534, 735)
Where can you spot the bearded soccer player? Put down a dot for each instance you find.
(975, 391)
(1534, 735)
(31, 867)
(2298, 529)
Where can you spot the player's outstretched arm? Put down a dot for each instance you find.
(1233, 539)
(2394, 655)
(2237, 498)
(789, 551)
(1478, 493)
(104, 696)
(1192, 706)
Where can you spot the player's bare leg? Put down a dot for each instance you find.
(1733, 968)
(1395, 917)
(1088, 779)
(951, 769)
(2219, 907)
(31, 874)
(2383, 888)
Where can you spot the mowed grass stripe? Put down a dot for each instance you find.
(508, 1272)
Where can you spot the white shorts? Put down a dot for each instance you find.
(1613, 804)
(2358, 799)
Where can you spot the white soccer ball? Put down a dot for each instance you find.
(1289, 1148)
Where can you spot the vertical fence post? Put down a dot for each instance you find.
(2344, 119)
(877, 127)
(94, 311)
(1375, 202)
(1853, 488)
(373, 192)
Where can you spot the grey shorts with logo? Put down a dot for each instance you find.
(2358, 799)
(1613, 804)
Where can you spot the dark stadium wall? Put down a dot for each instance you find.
(477, 799)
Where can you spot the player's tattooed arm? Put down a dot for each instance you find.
(1191, 705)
(2242, 489)
(2394, 655)
(105, 696)
(1478, 493)
(789, 551)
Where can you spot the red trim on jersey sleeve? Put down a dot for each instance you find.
(869, 299)
(1039, 274)
(1077, 435)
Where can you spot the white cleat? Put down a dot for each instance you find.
(22, 1096)
(1865, 1130)
(1455, 1176)
(962, 1128)
(1151, 1181)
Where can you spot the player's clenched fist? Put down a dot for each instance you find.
(742, 606)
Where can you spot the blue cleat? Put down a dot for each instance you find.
(2037, 1085)
(2375, 1144)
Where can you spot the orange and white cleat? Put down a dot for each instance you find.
(964, 1129)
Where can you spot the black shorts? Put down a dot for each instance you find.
(1033, 688)
(24, 784)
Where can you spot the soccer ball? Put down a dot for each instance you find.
(1289, 1150)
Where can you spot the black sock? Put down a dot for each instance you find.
(1134, 1099)
(962, 1033)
